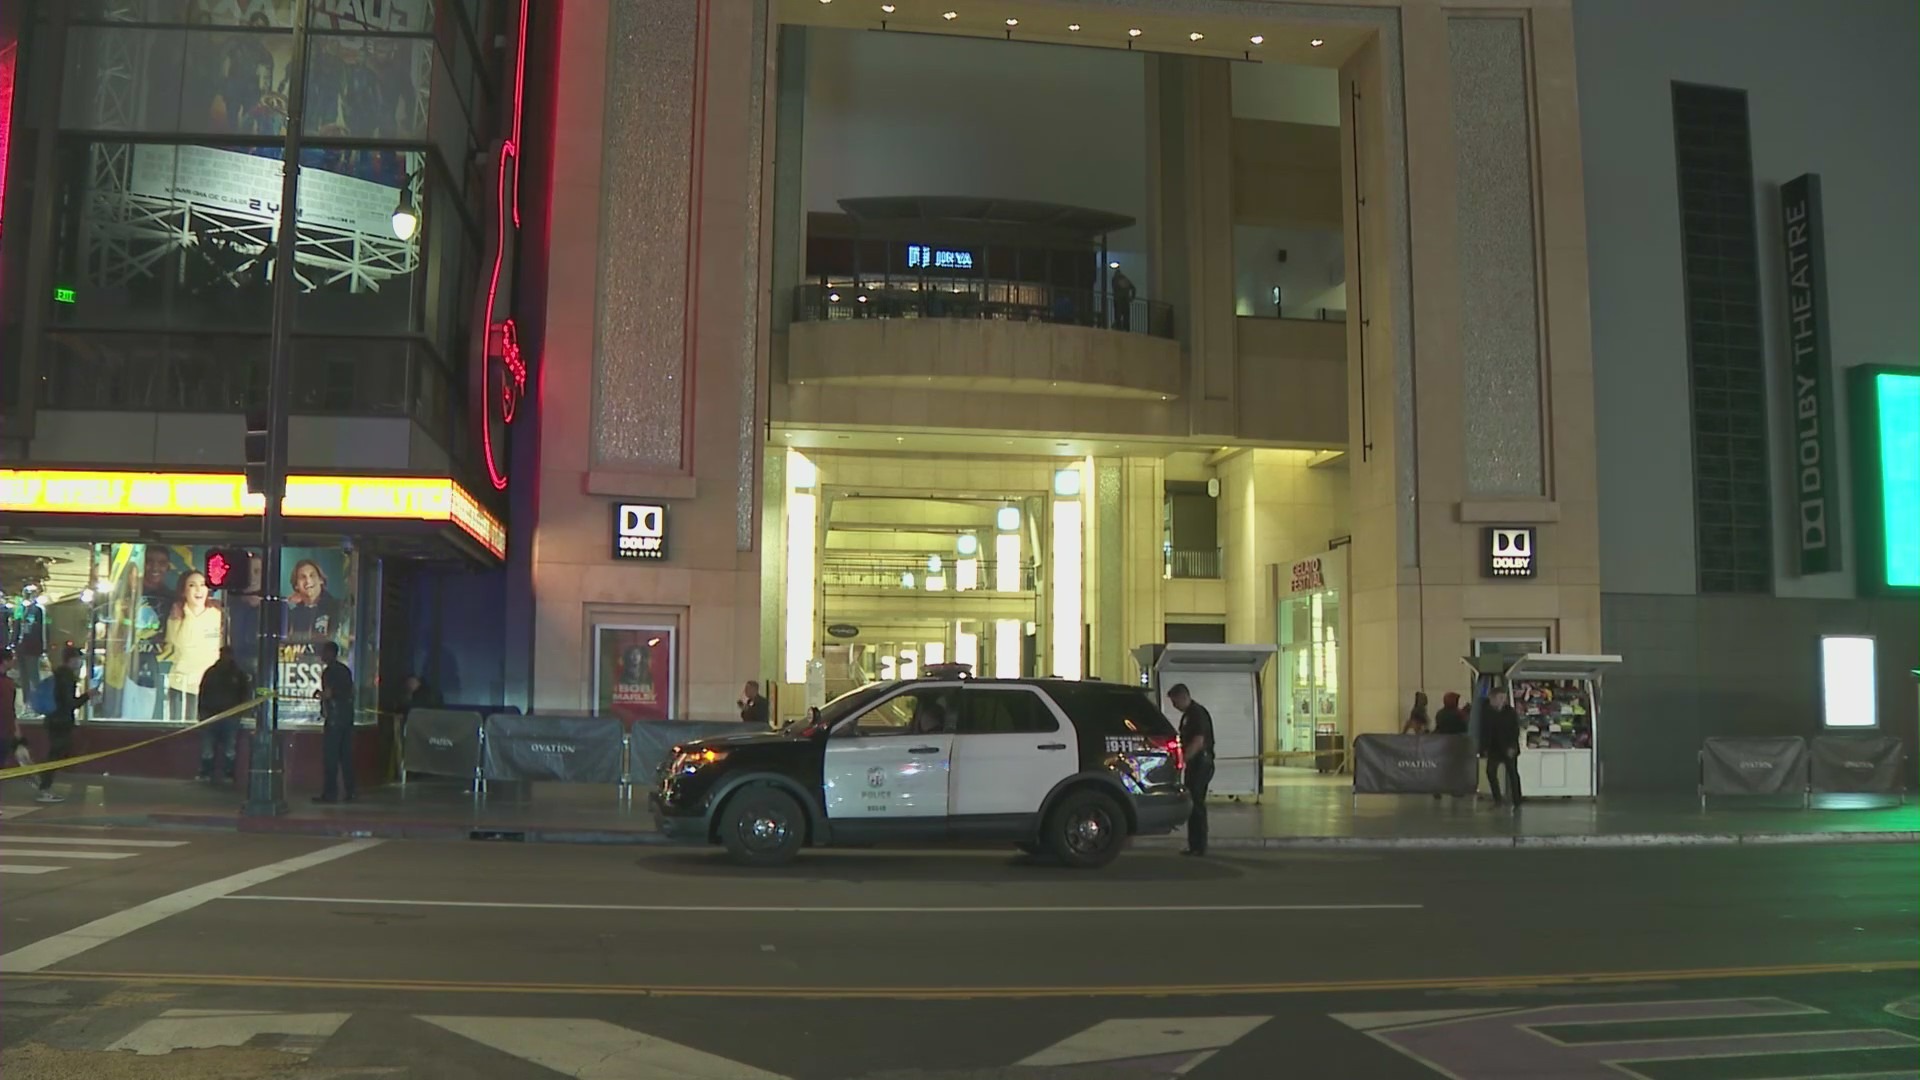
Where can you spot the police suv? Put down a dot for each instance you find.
(1057, 767)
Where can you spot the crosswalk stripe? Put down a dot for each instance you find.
(43, 853)
(595, 1049)
(13, 868)
(88, 841)
(1187, 1038)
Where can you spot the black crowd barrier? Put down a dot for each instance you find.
(1856, 764)
(568, 749)
(1753, 765)
(649, 742)
(1414, 765)
(442, 742)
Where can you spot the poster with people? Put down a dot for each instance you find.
(318, 584)
(633, 670)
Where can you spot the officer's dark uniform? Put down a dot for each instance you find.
(1196, 723)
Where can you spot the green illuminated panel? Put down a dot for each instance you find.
(1898, 398)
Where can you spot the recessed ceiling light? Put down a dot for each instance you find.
(1074, 26)
(1258, 39)
(888, 8)
(1195, 36)
(1135, 32)
(949, 15)
(1317, 42)
(1013, 22)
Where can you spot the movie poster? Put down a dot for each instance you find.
(633, 669)
(318, 584)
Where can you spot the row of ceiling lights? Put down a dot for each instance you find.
(1132, 32)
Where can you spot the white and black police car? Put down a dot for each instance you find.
(1062, 768)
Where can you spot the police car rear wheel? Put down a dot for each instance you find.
(762, 826)
(1085, 830)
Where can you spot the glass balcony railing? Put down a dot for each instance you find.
(1010, 301)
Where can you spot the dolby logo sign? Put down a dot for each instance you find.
(1509, 551)
(639, 531)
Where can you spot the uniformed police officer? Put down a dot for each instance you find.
(1196, 739)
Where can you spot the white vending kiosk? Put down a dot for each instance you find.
(1558, 701)
(1225, 679)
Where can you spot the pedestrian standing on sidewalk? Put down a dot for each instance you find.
(1196, 739)
(1451, 719)
(1417, 722)
(224, 686)
(67, 697)
(753, 705)
(1500, 743)
(336, 726)
(9, 710)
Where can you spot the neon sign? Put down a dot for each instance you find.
(504, 367)
(391, 498)
(922, 256)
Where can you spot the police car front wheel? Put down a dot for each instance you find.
(762, 826)
(1086, 829)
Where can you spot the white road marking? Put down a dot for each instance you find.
(49, 951)
(198, 1029)
(16, 868)
(595, 1049)
(1191, 1038)
(1071, 909)
(43, 853)
(88, 841)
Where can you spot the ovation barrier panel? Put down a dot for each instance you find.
(650, 742)
(442, 742)
(1753, 765)
(1856, 764)
(1414, 765)
(569, 749)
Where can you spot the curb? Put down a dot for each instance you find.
(554, 834)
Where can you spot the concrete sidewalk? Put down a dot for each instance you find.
(1311, 812)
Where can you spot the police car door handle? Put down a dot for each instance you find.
(1053, 746)
(923, 750)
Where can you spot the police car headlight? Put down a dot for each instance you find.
(687, 761)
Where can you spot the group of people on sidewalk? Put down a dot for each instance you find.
(1499, 735)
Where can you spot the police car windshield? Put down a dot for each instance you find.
(846, 705)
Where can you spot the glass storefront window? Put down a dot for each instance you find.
(149, 627)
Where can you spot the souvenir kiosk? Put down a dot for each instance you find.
(1557, 697)
(1225, 679)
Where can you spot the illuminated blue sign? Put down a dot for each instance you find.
(931, 258)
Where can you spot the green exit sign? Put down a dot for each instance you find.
(63, 295)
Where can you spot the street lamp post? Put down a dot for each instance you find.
(266, 774)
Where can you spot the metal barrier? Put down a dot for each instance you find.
(1753, 765)
(1414, 765)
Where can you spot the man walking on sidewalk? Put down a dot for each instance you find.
(1500, 742)
(1196, 739)
(336, 724)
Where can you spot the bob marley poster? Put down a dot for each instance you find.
(633, 672)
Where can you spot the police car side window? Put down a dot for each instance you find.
(1005, 712)
(922, 712)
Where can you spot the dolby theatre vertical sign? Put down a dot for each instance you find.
(1816, 490)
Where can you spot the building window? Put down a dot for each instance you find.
(1733, 513)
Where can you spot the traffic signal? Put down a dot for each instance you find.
(229, 570)
(257, 451)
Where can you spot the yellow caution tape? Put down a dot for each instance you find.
(67, 763)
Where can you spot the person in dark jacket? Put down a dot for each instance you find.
(1417, 721)
(417, 693)
(67, 697)
(1451, 719)
(1196, 739)
(1500, 745)
(224, 686)
(753, 705)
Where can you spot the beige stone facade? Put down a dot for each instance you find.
(1460, 393)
